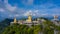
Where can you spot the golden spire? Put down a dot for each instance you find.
(29, 18)
(15, 21)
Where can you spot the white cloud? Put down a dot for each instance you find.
(36, 11)
(42, 9)
(10, 15)
(44, 14)
(28, 13)
(56, 14)
(55, 10)
(2, 10)
(31, 12)
(15, 15)
(30, 1)
(27, 2)
(9, 6)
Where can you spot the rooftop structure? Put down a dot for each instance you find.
(56, 21)
(15, 21)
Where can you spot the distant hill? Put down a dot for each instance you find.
(4, 24)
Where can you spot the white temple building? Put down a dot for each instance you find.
(56, 21)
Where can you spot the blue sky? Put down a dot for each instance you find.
(18, 8)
